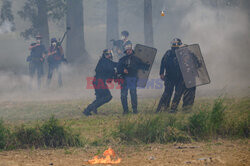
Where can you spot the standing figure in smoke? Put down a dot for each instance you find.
(121, 44)
(128, 67)
(36, 59)
(171, 74)
(105, 72)
(55, 59)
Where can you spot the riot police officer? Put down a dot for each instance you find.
(128, 67)
(55, 59)
(36, 59)
(105, 71)
(171, 74)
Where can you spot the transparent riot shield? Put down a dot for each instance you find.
(147, 55)
(192, 66)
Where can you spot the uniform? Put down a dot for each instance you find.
(173, 81)
(105, 70)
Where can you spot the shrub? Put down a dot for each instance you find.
(55, 135)
(3, 135)
(198, 124)
(27, 137)
(150, 129)
(217, 117)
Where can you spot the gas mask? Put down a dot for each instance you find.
(54, 44)
(123, 37)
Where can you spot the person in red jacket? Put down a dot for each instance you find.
(55, 59)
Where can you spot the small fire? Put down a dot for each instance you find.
(108, 156)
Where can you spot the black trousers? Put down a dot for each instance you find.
(129, 84)
(36, 67)
(188, 95)
(102, 96)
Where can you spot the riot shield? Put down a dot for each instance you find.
(192, 66)
(147, 55)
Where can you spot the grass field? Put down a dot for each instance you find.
(227, 127)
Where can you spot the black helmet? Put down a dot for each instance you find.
(53, 40)
(176, 42)
(125, 33)
(107, 52)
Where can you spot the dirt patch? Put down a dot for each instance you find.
(212, 153)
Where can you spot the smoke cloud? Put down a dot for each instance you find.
(6, 27)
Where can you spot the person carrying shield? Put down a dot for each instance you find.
(171, 74)
(128, 67)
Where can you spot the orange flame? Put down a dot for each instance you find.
(107, 159)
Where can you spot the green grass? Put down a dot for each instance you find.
(48, 134)
(210, 119)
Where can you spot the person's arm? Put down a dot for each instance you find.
(162, 67)
(33, 45)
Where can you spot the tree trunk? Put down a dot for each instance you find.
(75, 46)
(148, 23)
(42, 24)
(112, 22)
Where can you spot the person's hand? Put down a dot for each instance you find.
(162, 77)
(125, 71)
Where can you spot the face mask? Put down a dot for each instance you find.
(123, 37)
(54, 44)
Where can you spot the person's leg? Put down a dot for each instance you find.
(39, 74)
(102, 96)
(166, 96)
(50, 73)
(124, 97)
(59, 75)
(133, 95)
(31, 73)
(188, 98)
(179, 89)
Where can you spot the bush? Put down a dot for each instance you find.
(198, 124)
(4, 132)
(28, 137)
(49, 134)
(55, 135)
(149, 129)
(217, 116)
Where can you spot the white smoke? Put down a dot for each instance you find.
(6, 27)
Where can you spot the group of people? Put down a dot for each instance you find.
(127, 69)
(38, 54)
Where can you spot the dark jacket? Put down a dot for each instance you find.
(105, 69)
(132, 64)
(37, 52)
(170, 66)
